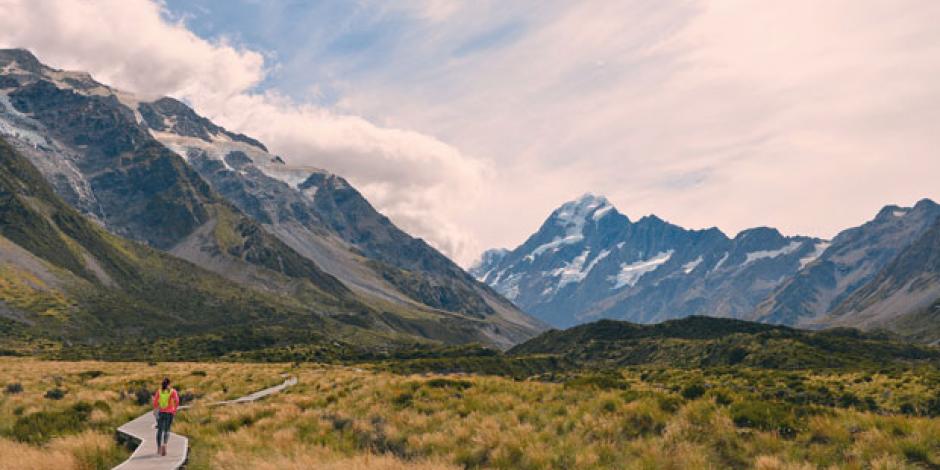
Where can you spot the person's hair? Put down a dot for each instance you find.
(166, 383)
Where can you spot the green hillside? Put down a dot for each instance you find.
(71, 289)
(704, 342)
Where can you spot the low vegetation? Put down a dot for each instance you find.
(365, 416)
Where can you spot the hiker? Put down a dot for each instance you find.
(165, 403)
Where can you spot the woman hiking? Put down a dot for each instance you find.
(165, 403)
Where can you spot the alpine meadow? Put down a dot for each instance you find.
(430, 234)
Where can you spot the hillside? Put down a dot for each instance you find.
(703, 342)
(903, 295)
(70, 288)
(159, 174)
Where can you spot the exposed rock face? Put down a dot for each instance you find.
(159, 173)
(904, 294)
(851, 261)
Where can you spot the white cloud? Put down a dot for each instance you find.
(414, 179)
(803, 115)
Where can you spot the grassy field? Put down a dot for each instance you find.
(63, 415)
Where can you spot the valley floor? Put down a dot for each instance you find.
(63, 415)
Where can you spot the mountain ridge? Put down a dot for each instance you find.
(159, 173)
(665, 271)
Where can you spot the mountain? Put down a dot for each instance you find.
(65, 279)
(853, 259)
(589, 261)
(905, 294)
(158, 173)
(704, 341)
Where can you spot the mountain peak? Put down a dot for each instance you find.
(22, 58)
(577, 212)
(762, 232)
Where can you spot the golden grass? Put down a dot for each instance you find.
(343, 417)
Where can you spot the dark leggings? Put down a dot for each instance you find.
(164, 420)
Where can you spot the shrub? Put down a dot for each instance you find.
(449, 383)
(13, 388)
(142, 396)
(90, 374)
(908, 409)
(187, 398)
(403, 400)
(669, 403)
(764, 415)
(849, 400)
(55, 394)
(40, 427)
(198, 373)
(611, 380)
(693, 391)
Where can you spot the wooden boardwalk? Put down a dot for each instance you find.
(143, 431)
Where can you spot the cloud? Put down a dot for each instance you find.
(803, 115)
(133, 45)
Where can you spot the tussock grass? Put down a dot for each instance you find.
(351, 417)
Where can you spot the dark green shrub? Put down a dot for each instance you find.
(908, 409)
(403, 400)
(13, 388)
(449, 383)
(142, 396)
(90, 374)
(55, 394)
(669, 403)
(198, 373)
(849, 400)
(764, 415)
(693, 391)
(610, 380)
(39, 427)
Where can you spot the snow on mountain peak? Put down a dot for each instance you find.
(577, 211)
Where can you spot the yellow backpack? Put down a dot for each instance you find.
(164, 399)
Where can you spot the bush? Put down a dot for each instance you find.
(142, 396)
(764, 415)
(13, 388)
(40, 427)
(55, 394)
(611, 380)
(449, 383)
(693, 391)
(90, 374)
(198, 373)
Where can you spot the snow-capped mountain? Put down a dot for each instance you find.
(159, 173)
(589, 261)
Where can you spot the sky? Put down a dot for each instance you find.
(467, 123)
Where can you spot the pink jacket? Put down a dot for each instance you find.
(171, 406)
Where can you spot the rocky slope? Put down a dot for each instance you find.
(64, 278)
(589, 261)
(904, 294)
(849, 263)
(158, 173)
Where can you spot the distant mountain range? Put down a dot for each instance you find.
(157, 173)
(588, 261)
